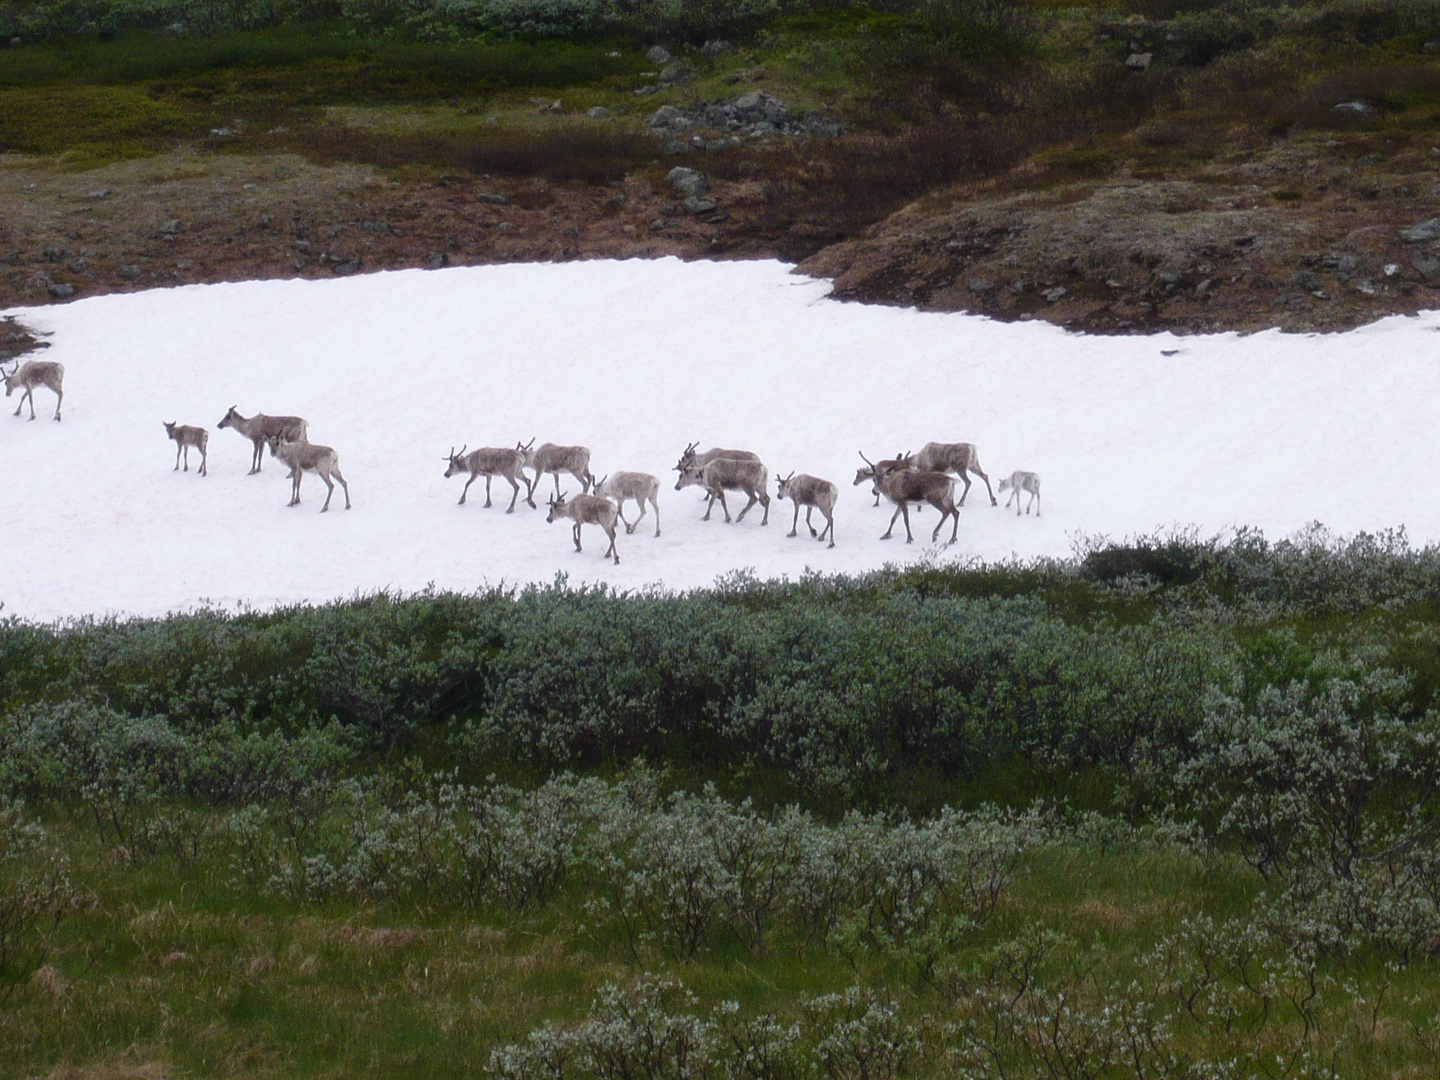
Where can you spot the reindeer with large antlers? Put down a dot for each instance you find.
(867, 472)
(811, 493)
(904, 486)
(490, 462)
(33, 373)
(690, 458)
(587, 510)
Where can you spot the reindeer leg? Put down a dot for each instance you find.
(204, 461)
(488, 478)
(612, 550)
(976, 470)
(905, 509)
(955, 529)
(529, 488)
(255, 455)
(723, 506)
(30, 396)
(329, 490)
(829, 527)
(514, 494)
(640, 502)
(59, 397)
(295, 476)
(1037, 504)
(620, 514)
(752, 502)
(796, 521)
(556, 474)
(177, 458)
(898, 507)
(577, 537)
(765, 502)
(966, 481)
(808, 511)
(711, 506)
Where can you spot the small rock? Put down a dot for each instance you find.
(130, 272)
(79, 266)
(1353, 108)
(687, 181)
(665, 116)
(1432, 46)
(1204, 286)
(1307, 280)
(15, 43)
(505, 226)
(677, 74)
(1391, 269)
(675, 146)
(1368, 287)
(59, 290)
(980, 284)
(221, 133)
(694, 205)
(597, 112)
(170, 228)
(1114, 284)
(375, 226)
(184, 264)
(755, 99)
(264, 221)
(436, 259)
(1422, 230)
(53, 254)
(1243, 241)
(658, 54)
(1139, 61)
(641, 91)
(658, 224)
(1056, 293)
(1428, 265)
(718, 47)
(346, 266)
(493, 200)
(99, 193)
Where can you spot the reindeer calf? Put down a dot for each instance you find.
(642, 487)
(587, 510)
(1019, 481)
(303, 457)
(33, 373)
(729, 474)
(811, 493)
(490, 462)
(185, 437)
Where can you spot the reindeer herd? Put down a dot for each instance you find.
(904, 480)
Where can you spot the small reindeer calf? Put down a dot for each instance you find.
(1019, 481)
(811, 493)
(185, 437)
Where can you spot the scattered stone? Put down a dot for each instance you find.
(493, 200)
(505, 226)
(1139, 61)
(980, 284)
(79, 266)
(658, 224)
(1204, 286)
(641, 91)
(130, 272)
(1391, 269)
(345, 266)
(1243, 241)
(1056, 293)
(59, 289)
(1428, 265)
(597, 112)
(665, 116)
(170, 228)
(675, 146)
(687, 181)
(658, 54)
(695, 205)
(718, 47)
(53, 254)
(100, 193)
(1432, 46)
(677, 74)
(543, 104)
(1307, 280)
(221, 133)
(1368, 287)
(1428, 229)
(436, 259)
(375, 226)
(1114, 284)
(1353, 108)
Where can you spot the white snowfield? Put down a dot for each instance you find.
(634, 360)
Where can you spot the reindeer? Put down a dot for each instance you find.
(490, 462)
(33, 373)
(729, 474)
(1019, 481)
(260, 429)
(587, 510)
(185, 437)
(641, 487)
(959, 458)
(691, 458)
(904, 486)
(303, 457)
(809, 492)
(549, 458)
(867, 472)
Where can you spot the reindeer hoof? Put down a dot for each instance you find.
(791, 533)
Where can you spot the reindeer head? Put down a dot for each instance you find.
(689, 475)
(230, 417)
(526, 452)
(557, 508)
(598, 484)
(1003, 486)
(782, 485)
(865, 472)
(457, 462)
(170, 427)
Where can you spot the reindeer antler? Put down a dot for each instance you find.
(866, 459)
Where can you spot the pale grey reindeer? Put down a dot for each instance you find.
(867, 472)
(587, 510)
(640, 486)
(699, 460)
(1019, 481)
(811, 493)
(260, 429)
(490, 462)
(33, 373)
(303, 457)
(959, 458)
(185, 437)
(549, 458)
(904, 486)
(729, 474)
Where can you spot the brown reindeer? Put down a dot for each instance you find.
(260, 429)
(691, 458)
(904, 486)
(867, 472)
(549, 458)
(729, 474)
(303, 457)
(587, 510)
(33, 373)
(811, 493)
(640, 486)
(959, 458)
(185, 437)
(490, 462)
